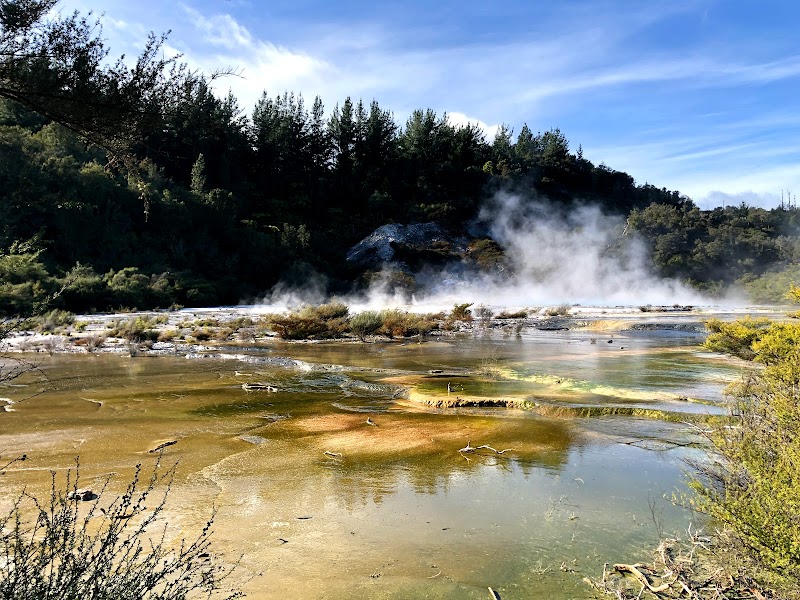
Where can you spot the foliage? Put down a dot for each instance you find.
(312, 322)
(114, 550)
(54, 64)
(365, 323)
(461, 312)
(751, 246)
(770, 287)
(137, 329)
(399, 323)
(755, 489)
(24, 283)
(327, 312)
(487, 254)
(736, 337)
(52, 320)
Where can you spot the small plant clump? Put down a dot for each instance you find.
(52, 321)
(91, 342)
(201, 335)
(138, 329)
(558, 311)
(399, 323)
(483, 312)
(518, 314)
(167, 335)
(461, 312)
(327, 321)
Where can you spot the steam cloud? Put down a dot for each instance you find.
(552, 258)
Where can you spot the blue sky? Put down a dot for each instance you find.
(699, 96)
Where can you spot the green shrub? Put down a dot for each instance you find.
(365, 323)
(296, 327)
(84, 290)
(770, 288)
(487, 254)
(204, 323)
(201, 335)
(240, 322)
(736, 337)
(167, 335)
(24, 283)
(137, 329)
(754, 490)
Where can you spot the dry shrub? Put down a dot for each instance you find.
(398, 323)
(461, 312)
(54, 548)
(558, 311)
(167, 335)
(519, 314)
(327, 321)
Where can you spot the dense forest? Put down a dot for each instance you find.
(208, 203)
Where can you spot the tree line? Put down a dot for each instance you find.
(138, 186)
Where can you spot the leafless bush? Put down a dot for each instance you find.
(53, 548)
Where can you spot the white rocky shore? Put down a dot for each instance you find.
(200, 330)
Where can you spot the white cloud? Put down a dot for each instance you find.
(461, 120)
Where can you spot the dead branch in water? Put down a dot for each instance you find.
(162, 446)
(470, 449)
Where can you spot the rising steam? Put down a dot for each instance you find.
(581, 257)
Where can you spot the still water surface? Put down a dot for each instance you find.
(401, 514)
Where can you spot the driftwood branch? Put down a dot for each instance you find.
(641, 577)
(470, 449)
